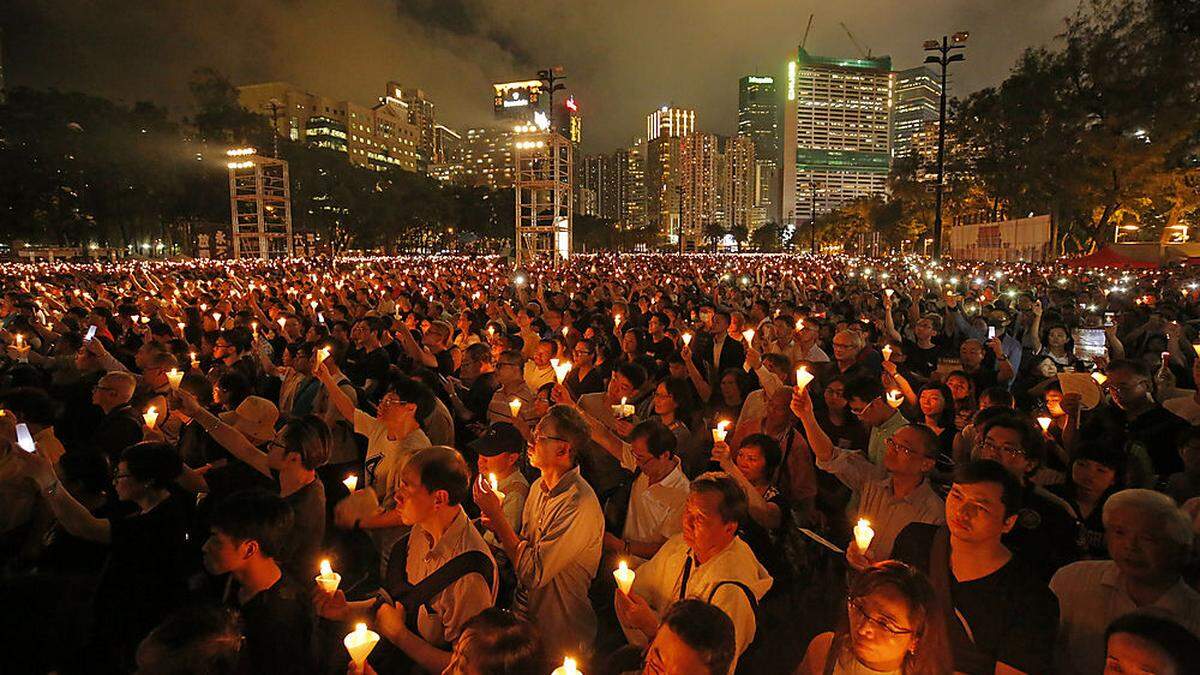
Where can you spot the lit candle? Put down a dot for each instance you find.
(566, 330)
(1099, 377)
(282, 321)
(748, 335)
(195, 361)
(328, 580)
(863, 534)
(20, 341)
(515, 406)
(150, 416)
(351, 482)
(803, 377)
(1044, 421)
(180, 325)
(254, 327)
(895, 398)
(174, 376)
(888, 292)
(720, 432)
(491, 331)
(887, 352)
(561, 370)
(799, 325)
(567, 668)
(322, 354)
(495, 486)
(1197, 348)
(617, 320)
(359, 643)
(624, 576)
(134, 318)
(687, 339)
(217, 318)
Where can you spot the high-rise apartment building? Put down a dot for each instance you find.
(631, 163)
(759, 119)
(602, 175)
(447, 144)
(664, 127)
(915, 103)
(421, 113)
(697, 169)
(485, 159)
(669, 121)
(739, 205)
(836, 133)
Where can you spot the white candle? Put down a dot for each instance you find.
(721, 430)
(515, 406)
(803, 377)
(195, 361)
(624, 577)
(863, 534)
(20, 341)
(887, 352)
(1099, 377)
(495, 486)
(567, 668)
(174, 376)
(351, 482)
(150, 416)
(359, 643)
(1044, 421)
(895, 398)
(888, 292)
(322, 354)
(282, 321)
(561, 370)
(748, 335)
(328, 580)
(687, 339)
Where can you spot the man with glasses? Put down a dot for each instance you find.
(848, 354)
(1045, 529)
(864, 397)
(1135, 421)
(891, 495)
(999, 614)
(557, 552)
(510, 374)
(538, 369)
(585, 377)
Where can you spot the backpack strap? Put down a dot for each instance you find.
(745, 589)
(939, 577)
(461, 565)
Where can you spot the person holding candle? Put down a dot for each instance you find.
(368, 362)
(558, 550)
(866, 399)
(538, 370)
(499, 451)
(891, 625)
(1000, 617)
(510, 376)
(707, 562)
(586, 376)
(891, 495)
(248, 531)
(121, 425)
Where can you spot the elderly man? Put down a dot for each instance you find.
(848, 358)
(556, 554)
(1149, 539)
(707, 562)
(121, 426)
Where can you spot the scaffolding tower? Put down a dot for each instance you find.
(543, 183)
(260, 205)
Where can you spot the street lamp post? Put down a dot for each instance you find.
(812, 222)
(944, 58)
(679, 204)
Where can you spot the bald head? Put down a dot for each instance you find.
(119, 386)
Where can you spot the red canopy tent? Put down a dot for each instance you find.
(1106, 257)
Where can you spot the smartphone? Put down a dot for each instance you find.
(90, 334)
(24, 439)
(1108, 319)
(991, 332)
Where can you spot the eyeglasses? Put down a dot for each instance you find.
(1010, 450)
(893, 445)
(858, 610)
(538, 439)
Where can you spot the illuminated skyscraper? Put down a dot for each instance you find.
(916, 103)
(664, 128)
(836, 133)
(698, 176)
(759, 119)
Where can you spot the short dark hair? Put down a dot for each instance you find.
(864, 389)
(659, 439)
(706, 630)
(634, 373)
(496, 641)
(1179, 644)
(1128, 366)
(308, 436)
(771, 452)
(157, 464)
(196, 640)
(442, 468)
(1031, 438)
(734, 506)
(999, 396)
(255, 515)
(927, 438)
(412, 391)
(990, 471)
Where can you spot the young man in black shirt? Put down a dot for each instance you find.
(248, 530)
(1001, 618)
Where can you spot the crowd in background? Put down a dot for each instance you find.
(819, 465)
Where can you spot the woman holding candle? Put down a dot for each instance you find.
(752, 465)
(890, 626)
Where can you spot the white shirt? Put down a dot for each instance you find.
(659, 581)
(557, 557)
(536, 377)
(655, 511)
(1091, 593)
(461, 600)
(386, 457)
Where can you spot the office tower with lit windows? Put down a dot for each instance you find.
(631, 163)
(739, 186)
(698, 175)
(836, 133)
(421, 113)
(915, 104)
(484, 159)
(759, 119)
(664, 127)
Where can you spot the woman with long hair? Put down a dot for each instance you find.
(892, 626)
(937, 412)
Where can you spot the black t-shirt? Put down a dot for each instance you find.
(300, 548)
(1044, 534)
(278, 626)
(922, 361)
(1011, 613)
(1157, 430)
(362, 366)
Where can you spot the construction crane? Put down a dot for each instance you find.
(805, 40)
(865, 54)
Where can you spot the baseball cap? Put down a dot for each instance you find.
(500, 438)
(255, 417)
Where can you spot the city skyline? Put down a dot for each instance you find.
(619, 63)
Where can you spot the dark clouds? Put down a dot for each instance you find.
(623, 57)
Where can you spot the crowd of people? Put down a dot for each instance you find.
(691, 464)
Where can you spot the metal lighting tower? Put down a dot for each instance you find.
(944, 58)
(542, 179)
(259, 204)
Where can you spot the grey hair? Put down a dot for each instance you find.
(1160, 507)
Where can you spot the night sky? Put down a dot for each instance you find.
(622, 57)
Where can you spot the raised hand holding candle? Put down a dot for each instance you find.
(351, 482)
(721, 431)
(863, 534)
(359, 642)
(803, 377)
(150, 417)
(687, 339)
(195, 361)
(174, 377)
(20, 341)
(515, 406)
(624, 577)
(748, 335)
(322, 354)
(561, 371)
(887, 352)
(567, 668)
(328, 580)
(282, 321)
(895, 398)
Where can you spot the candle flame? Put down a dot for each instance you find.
(326, 569)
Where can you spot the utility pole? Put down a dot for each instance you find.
(679, 204)
(812, 223)
(944, 58)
